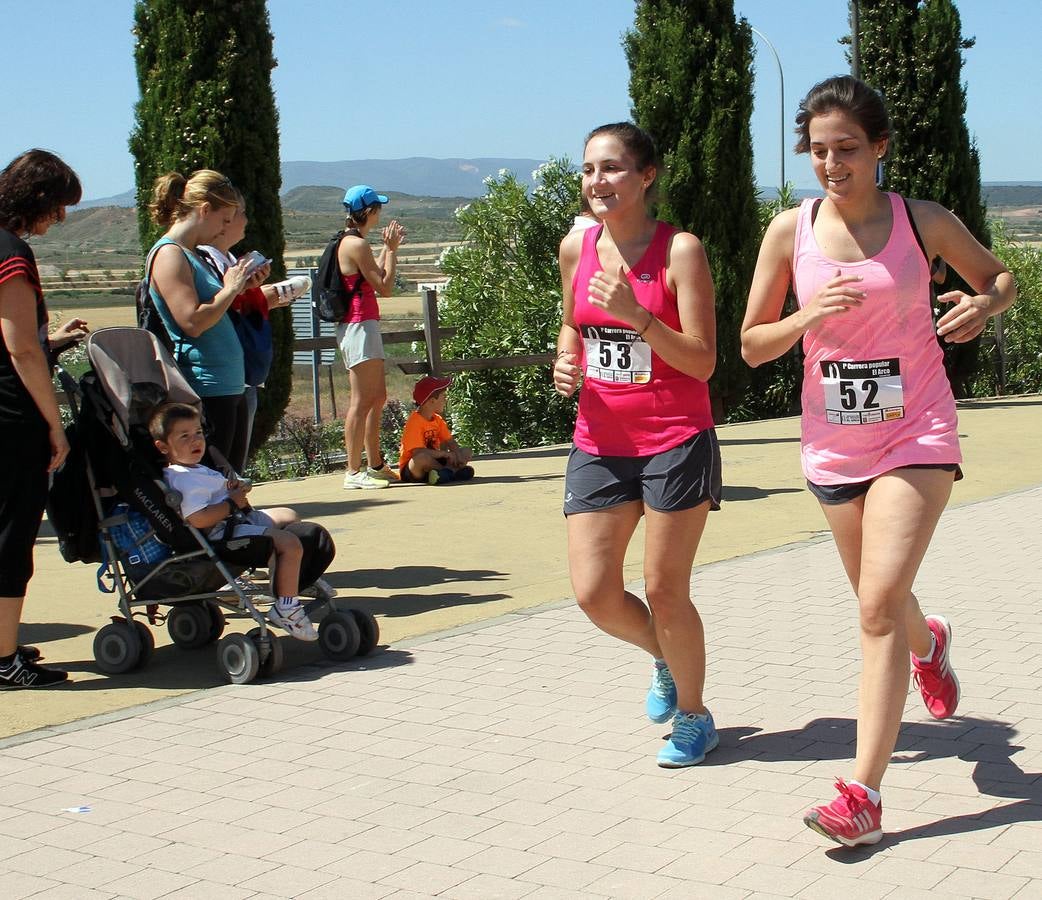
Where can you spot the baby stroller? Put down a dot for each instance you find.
(167, 562)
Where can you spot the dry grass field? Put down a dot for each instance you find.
(399, 313)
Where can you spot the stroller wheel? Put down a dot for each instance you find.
(117, 648)
(368, 629)
(217, 622)
(237, 659)
(271, 665)
(148, 643)
(338, 636)
(189, 625)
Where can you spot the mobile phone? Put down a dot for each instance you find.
(255, 259)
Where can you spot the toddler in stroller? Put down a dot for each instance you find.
(170, 562)
(218, 507)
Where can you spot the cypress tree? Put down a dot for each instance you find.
(911, 50)
(206, 101)
(691, 83)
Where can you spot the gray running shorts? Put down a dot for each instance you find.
(676, 479)
(359, 341)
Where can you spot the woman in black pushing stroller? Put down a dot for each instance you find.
(172, 562)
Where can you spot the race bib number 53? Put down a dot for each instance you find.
(862, 392)
(616, 354)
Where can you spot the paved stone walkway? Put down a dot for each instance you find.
(511, 759)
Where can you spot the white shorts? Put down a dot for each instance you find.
(257, 522)
(359, 341)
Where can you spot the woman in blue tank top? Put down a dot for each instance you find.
(193, 304)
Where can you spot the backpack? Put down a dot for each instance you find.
(258, 350)
(147, 315)
(70, 505)
(329, 298)
(134, 537)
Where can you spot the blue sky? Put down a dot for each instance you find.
(471, 78)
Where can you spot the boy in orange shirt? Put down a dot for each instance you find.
(428, 452)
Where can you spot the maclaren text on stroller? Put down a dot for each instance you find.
(114, 460)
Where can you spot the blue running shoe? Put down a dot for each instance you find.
(662, 695)
(692, 738)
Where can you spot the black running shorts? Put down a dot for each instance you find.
(835, 494)
(676, 479)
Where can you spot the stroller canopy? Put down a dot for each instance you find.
(135, 372)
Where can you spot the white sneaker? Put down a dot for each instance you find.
(293, 288)
(362, 480)
(321, 588)
(295, 621)
(244, 584)
(384, 473)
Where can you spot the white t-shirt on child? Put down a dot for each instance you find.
(200, 486)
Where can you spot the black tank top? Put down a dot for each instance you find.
(16, 403)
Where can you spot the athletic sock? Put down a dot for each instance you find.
(874, 796)
(660, 663)
(926, 660)
(285, 604)
(7, 660)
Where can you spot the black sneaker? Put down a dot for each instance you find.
(464, 473)
(30, 654)
(21, 673)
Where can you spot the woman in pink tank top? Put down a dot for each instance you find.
(639, 331)
(880, 446)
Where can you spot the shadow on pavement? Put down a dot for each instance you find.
(753, 442)
(173, 669)
(340, 506)
(409, 577)
(747, 492)
(42, 632)
(399, 605)
(410, 604)
(989, 745)
(533, 453)
(510, 479)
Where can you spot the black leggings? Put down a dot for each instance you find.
(23, 495)
(228, 423)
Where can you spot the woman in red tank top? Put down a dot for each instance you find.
(882, 504)
(358, 335)
(639, 331)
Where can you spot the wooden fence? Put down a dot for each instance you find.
(432, 335)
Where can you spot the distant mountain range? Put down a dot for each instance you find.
(422, 176)
(418, 175)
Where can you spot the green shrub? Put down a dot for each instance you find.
(1021, 372)
(504, 298)
(774, 388)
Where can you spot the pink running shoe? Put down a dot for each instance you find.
(936, 680)
(851, 819)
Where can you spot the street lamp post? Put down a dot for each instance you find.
(781, 82)
(855, 39)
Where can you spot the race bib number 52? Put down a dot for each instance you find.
(862, 392)
(616, 354)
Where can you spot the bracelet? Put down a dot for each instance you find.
(651, 318)
(561, 353)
